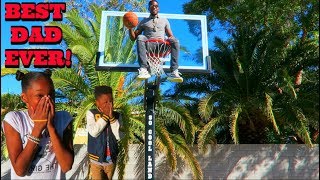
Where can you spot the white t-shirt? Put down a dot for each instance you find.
(45, 164)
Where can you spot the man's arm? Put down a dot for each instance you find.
(95, 127)
(168, 30)
(169, 33)
(134, 34)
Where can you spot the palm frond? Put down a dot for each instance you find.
(187, 155)
(123, 156)
(302, 129)
(79, 23)
(95, 24)
(204, 133)
(165, 145)
(82, 52)
(96, 31)
(70, 35)
(234, 124)
(97, 11)
(68, 77)
(269, 112)
(10, 71)
(205, 107)
(173, 114)
(137, 128)
(85, 106)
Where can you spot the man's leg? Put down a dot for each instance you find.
(109, 170)
(142, 51)
(97, 172)
(175, 48)
(174, 76)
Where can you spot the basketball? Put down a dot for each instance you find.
(130, 20)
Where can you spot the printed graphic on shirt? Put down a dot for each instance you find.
(44, 161)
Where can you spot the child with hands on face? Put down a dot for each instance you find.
(39, 139)
(105, 106)
(103, 125)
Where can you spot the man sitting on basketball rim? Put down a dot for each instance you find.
(155, 27)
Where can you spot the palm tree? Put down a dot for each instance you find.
(242, 93)
(253, 87)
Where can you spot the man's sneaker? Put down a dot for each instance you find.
(175, 76)
(143, 74)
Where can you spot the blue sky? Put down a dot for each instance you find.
(10, 85)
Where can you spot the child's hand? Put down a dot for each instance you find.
(107, 109)
(40, 115)
(51, 113)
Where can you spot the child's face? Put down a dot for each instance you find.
(104, 101)
(38, 89)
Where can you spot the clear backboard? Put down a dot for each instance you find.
(118, 53)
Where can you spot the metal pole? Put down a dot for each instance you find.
(150, 96)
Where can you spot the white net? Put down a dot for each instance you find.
(157, 51)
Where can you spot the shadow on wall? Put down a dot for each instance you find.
(163, 170)
(244, 161)
(222, 161)
(257, 161)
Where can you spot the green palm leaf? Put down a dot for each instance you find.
(166, 145)
(187, 155)
(173, 114)
(68, 77)
(302, 129)
(79, 23)
(81, 112)
(205, 107)
(123, 156)
(70, 35)
(204, 137)
(10, 71)
(234, 124)
(269, 113)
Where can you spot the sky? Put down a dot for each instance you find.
(10, 85)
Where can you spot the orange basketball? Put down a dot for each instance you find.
(130, 20)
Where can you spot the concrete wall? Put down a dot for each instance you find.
(222, 161)
(245, 161)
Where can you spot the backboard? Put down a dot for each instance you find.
(117, 52)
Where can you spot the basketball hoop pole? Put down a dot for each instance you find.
(150, 100)
(157, 49)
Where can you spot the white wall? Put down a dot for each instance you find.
(244, 161)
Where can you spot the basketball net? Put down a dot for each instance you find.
(157, 51)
